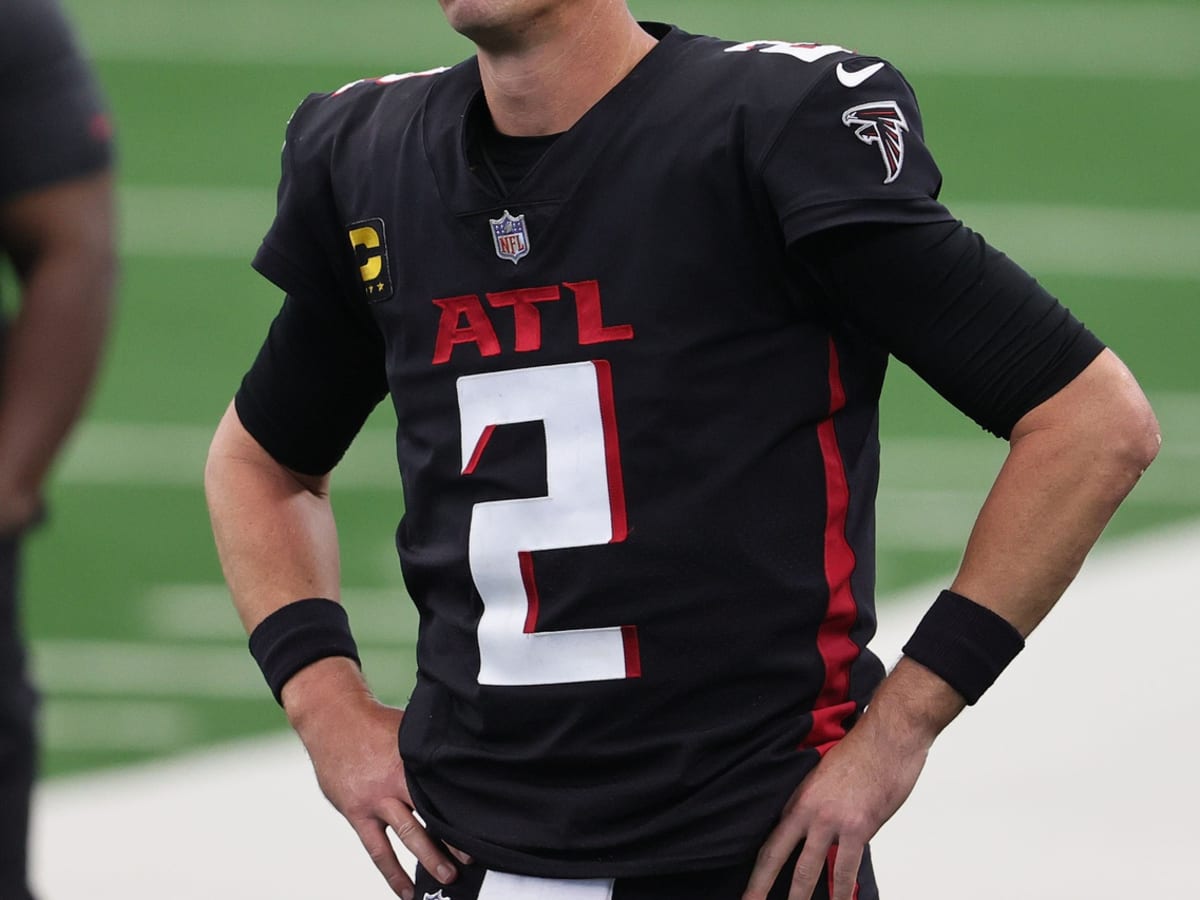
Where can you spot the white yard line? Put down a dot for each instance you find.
(1094, 40)
(228, 223)
(194, 222)
(94, 725)
(932, 487)
(1091, 241)
(181, 670)
(1074, 777)
(197, 612)
(117, 453)
(91, 668)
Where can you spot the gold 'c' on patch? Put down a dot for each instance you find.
(368, 238)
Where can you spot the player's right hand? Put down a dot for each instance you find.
(351, 739)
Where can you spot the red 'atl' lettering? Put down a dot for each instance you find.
(478, 329)
(592, 329)
(526, 317)
(464, 320)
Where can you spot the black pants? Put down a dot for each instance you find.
(18, 753)
(477, 883)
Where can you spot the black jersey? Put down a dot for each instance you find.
(639, 458)
(52, 121)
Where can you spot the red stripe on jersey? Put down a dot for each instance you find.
(837, 650)
(612, 451)
(633, 651)
(616, 498)
(484, 437)
(531, 592)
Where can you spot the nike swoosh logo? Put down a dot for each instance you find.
(854, 79)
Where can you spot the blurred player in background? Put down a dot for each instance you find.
(632, 292)
(57, 232)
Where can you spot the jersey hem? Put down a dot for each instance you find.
(508, 860)
(284, 273)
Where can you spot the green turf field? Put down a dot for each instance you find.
(1066, 132)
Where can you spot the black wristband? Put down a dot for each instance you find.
(297, 635)
(964, 644)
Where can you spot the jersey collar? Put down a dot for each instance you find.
(456, 98)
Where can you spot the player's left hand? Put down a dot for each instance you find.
(857, 787)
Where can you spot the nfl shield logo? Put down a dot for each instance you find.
(510, 236)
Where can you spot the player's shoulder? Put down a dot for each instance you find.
(386, 101)
(32, 33)
(779, 75)
(773, 87)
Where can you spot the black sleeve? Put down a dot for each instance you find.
(52, 121)
(853, 151)
(322, 368)
(306, 251)
(962, 315)
(319, 374)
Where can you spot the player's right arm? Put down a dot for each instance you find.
(317, 377)
(273, 526)
(277, 542)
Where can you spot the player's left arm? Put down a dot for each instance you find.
(61, 239)
(1072, 460)
(855, 189)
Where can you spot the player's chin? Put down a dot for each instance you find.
(496, 22)
(472, 17)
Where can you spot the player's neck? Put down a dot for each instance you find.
(547, 84)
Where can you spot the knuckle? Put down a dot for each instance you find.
(398, 880)
(407, 829)
(828, 818)
(381, 856)
(804, 873)
(855, 829)
(356, 812)
(769, 854)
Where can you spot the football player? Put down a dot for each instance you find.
(57, 230)
(631, 293)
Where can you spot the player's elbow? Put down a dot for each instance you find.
(1136, 439)
(1132, 433)
(1122, 430)
(237, 463)
(1103, 422)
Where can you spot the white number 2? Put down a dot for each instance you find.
(584, 506)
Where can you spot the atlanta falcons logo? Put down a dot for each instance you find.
(884, 124)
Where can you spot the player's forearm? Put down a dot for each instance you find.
(1071, 463)
(274, 529)
(50, 362)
